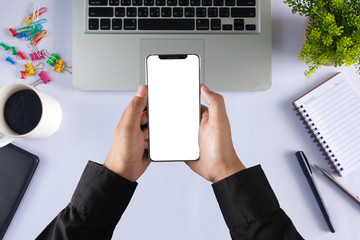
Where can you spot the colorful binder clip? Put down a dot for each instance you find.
(6, 47)
(8, 59)
(30, 68)
(22, 74)
(35, 53)
(44, 79)
(51, 58)
(12, 32)
(60, 66)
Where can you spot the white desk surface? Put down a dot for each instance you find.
(171, 201)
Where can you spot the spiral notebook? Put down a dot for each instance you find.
(331, 112)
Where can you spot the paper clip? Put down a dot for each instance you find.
(8, 59)
(44, 79)
(20, 35)
(6, 47)
(35, 53)
(20, 55)
(33, 33)
(38, 37)
(29, 19)
(24, 29)
(41, 21)
(22, 74)
(12, 32)
(30, 68)
(60, 65)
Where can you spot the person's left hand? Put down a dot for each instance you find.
(128, 154)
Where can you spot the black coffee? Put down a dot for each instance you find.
(23, 111)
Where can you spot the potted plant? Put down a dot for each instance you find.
(332, 33)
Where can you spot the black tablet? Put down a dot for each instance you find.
(17, 167)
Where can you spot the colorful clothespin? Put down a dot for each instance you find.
(30, 68)
(12, 32)
(44, 79)
(6, 47)
(8, 59)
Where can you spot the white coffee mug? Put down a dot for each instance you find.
(50, 118)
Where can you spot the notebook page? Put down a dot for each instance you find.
(333, 110)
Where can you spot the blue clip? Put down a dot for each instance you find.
(41, 21)
(10, 60)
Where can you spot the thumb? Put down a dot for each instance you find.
(136, 107)
(217, 111)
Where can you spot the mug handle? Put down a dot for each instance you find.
(5, 140)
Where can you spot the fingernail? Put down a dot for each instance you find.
(205, 88)
(141, 91)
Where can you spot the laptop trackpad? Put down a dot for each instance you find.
(171, 46)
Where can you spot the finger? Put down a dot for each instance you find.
(217, 111)
(144, 118)
(146, 133)
(204, 111)
(136, 107)
(146, 145)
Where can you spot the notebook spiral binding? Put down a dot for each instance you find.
(319, 140)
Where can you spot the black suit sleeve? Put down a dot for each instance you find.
(98, 202)
(250, 207)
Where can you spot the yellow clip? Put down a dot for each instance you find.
(59, 65)
(30, 18)
(29, 69)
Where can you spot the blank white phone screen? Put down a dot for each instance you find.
(173, 108)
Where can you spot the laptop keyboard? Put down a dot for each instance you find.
(183, 16)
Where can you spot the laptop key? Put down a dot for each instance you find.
(116, 24)
(98, 2)
(166, 12)
(172, 2)
(250, 27)
(101, 11)
(189, 12)
(215, 24)
(206, 2)
(178, 12)
(120, 12)
(154, 12)
(202, 24)
(243, 12)
(125, 2)
(114, 2)
(149, 2)
(246, 2)
(229, 2)
(224, 12)
(239, 24)
(143, 12)
(136, 2)
(212, 12)
(131, 12)
(166, 24)
(200, 12)
(105, 24)
(218, 2)
(160, 2)
(183, 2)
(195, 2)
(93, 24)
(129, 24)
(227, 27)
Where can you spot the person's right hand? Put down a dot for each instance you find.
(218, 158)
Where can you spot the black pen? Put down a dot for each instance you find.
(308, 174)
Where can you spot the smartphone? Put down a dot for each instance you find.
(173, 83)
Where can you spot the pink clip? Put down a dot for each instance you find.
(22, 74)
(36, 56)
(20, 55)
(44, 77)
(13, 32)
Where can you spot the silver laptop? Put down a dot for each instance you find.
(112, 38)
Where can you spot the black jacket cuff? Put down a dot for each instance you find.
(102, 193)
(248, 194)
